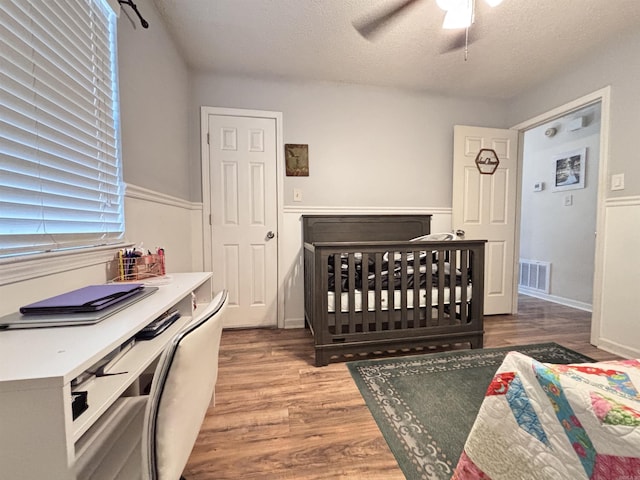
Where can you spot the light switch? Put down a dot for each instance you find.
(617, 181)
(568, 200)
(297, 195)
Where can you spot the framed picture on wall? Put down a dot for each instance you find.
(296, 159)
(569, 170)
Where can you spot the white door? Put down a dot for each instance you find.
(484, 207)
(242, 156)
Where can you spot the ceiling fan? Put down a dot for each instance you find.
(460, 15)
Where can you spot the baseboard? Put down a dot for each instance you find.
(294, 322)
(617, 349)
(567, 302)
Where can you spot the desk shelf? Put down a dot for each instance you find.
(103, 391)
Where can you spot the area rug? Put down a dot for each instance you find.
(425, 405)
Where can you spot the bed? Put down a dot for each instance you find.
(377, 283)
(547, 421)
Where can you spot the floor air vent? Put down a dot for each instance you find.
(534, 275)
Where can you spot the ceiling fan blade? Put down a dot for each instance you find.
(368, 27)
(458, 41)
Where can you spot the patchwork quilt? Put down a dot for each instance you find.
(547, 421)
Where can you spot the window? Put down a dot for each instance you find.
(60, 167)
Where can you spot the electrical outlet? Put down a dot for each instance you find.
(297, 195)
(617, 181)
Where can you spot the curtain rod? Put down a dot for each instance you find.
(143, 22)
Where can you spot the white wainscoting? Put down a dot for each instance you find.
(157, 220)
(291, 258)
(618, 331)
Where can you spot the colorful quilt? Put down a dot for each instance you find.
(547, 421)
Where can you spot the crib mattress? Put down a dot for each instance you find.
(384, 303)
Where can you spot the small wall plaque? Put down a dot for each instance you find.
(487, 161)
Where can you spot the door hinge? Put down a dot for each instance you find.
(208, 139)
(210, 220)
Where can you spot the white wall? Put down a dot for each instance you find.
(550, 230)
(154, 97)
(615, 64)
(368, 146)
(154, 91)
(618, 331)
(156, 220)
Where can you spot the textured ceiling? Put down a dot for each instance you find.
(519, 43)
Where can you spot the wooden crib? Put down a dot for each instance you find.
(372, 285)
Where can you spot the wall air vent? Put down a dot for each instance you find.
(534, 275)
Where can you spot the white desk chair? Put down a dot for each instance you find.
(152, 437)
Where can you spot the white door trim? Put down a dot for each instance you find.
(206, 186)
(604, 97)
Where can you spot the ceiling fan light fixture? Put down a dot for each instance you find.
(447, 5)
(459, 17)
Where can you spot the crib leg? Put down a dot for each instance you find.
(476, 342)
(322, 359)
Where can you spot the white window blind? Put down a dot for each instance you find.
(60, 168)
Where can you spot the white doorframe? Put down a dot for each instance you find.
(604, 97)
(206, 186)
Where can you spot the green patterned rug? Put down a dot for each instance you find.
(425, 405)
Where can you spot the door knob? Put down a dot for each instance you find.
(460, 233)
(270, 235)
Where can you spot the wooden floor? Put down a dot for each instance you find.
(276, 416)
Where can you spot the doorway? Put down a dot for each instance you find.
(599, 180)
(558, 208)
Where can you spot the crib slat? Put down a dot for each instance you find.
(428, 314)
(441, 263)
(365, 292)
(337, 291)
(351, 288)
(464, 281)
(378, 291)
(453, 266)
(391, 291)
(416, 289)
(403, 290)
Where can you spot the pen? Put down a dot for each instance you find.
(109, 374)
(162, 267)
(121, 265)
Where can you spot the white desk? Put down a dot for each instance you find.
(37, 433)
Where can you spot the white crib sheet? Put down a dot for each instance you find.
(384, 294)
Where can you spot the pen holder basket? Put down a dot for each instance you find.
(139, 268)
